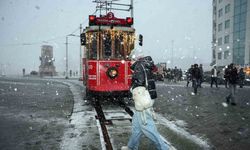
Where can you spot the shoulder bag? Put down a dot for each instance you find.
(141, 96)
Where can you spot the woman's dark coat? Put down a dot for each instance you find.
(138, 77)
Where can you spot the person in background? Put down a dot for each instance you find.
(176, 74)
(226, 76)
(189, 74)
(142, 121)
(23, 71)
(214, 77)
(196, 77)
(241, 77)
(232, 78)
(201, 79)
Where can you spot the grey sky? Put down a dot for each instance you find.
(27, 24)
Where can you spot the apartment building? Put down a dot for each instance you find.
(231, 32)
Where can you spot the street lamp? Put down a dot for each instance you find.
(66, 77)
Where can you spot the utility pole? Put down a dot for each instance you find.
(194, 57)
(80, 73)
(66, 77)
(132, 8)
(172, 53)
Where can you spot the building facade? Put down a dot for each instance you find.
(231, 32)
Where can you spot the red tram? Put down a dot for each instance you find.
(108, 42)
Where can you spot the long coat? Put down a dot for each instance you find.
(232, 75)
(140, 67)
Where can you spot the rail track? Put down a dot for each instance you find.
(103, 121)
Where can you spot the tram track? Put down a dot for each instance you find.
(103, 121)
(113, 124)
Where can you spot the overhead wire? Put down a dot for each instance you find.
(48, 40)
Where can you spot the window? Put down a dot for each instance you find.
(220, 41)
(226, 39)
(236, 27)
(227, 24)
(236, 18)
(242, 35)
(242, 26)
(220, 27)
(107, 43)
(220, 12)
(227, 8)
(214, 10)
(243, 2)
(243, 8)
(219, 55)
(236, 2)
(92, 53)
(237, 10)
(242, 17)
(226, 54)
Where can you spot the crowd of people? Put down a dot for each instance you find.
(231, 76)
(171, 74)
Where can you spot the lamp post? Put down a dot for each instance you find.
(80, 73)
(172, 54)
(66, 76)
(66, 73)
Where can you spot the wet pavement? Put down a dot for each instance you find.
(207, 115)
(33, 113)
(51, 114)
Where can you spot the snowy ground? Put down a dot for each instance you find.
(51, 114)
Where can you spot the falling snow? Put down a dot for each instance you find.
(224, 104)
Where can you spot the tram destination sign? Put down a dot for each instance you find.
(110, 19)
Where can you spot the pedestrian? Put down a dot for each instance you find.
(226, 76)
(241, 77)
(202, 72)
(23, 71)
(180, 75)
(142, 121)
(189, 74)
(232, 78)
(175, 74)
(196, 76)
(214, 77)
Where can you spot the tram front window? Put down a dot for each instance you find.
(93, 53)
(107, 42)
(109, 45)
(92, 46)
(119, 48)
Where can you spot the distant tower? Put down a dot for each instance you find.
(47, 67)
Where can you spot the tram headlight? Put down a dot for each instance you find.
(112, 72)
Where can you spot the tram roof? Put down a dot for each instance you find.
(115, 28)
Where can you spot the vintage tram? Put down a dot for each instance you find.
(107, 44)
